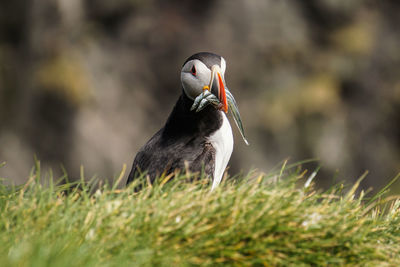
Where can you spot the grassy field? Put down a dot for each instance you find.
(274, 219)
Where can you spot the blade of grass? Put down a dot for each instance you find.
(383, 190)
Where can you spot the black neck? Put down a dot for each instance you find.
(184, 122)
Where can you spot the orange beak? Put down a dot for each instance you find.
(222, 94)
(218, 88)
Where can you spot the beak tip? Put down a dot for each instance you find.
(223, 107)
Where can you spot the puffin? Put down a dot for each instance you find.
(197, 134)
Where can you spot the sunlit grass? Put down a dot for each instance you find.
(257, 219)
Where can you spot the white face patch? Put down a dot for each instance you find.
(193, 83)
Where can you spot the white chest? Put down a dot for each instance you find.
(222, 141)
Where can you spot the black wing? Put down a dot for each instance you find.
(158, 156)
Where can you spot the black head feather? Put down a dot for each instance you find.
(209, 59)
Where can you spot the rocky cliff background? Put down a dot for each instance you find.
(88, 82)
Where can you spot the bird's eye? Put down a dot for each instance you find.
(193, 70)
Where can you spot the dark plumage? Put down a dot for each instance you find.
(183, 138)
(209, 59)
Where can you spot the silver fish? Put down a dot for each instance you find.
(235, 113)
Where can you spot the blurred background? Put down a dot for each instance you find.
(86, 82)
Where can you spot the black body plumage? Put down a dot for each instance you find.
(182, 139)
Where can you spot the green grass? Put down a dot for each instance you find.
(265, 220)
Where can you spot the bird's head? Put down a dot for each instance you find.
(203, 81)
(205, 72)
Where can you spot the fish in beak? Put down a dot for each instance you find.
(217, 94)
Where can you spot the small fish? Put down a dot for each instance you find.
(197, 101)
(210, 99)
(235, 113)
(203, 100)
